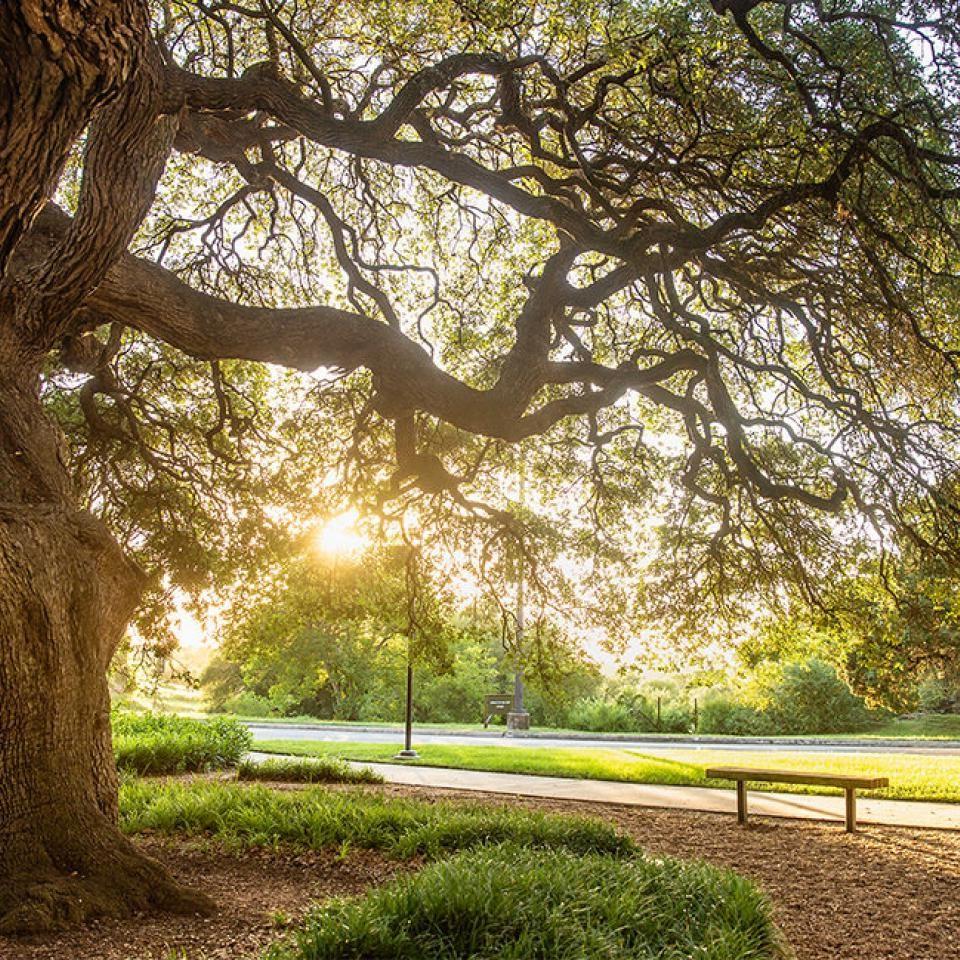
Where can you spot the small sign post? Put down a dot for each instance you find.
(496, 705)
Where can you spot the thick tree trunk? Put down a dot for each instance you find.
(66, 592)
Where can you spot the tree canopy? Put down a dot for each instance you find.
(728, 233)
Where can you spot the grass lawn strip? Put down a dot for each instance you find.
(912, 776)
(152, 743)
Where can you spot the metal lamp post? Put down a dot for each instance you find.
(518, 718)
(408, 753)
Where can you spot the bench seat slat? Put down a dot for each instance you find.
(795, 776)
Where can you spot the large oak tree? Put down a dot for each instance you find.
(735, 218)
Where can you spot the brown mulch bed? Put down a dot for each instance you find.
(885, 893)
(882, 894)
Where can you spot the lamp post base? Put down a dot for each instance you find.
(407, 755)
(518, 720)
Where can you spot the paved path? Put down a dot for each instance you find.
(940, 816)
(648, 744)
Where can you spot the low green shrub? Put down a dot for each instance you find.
(808, 696)
(247, 705)
(316, 818)
(599, 715)
(786, 699)
(722, 714)
(511, 903)
(151, 743)
(674, 718)
(310, 770)
(938, 695)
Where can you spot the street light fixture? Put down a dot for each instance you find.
(518, 718)
(408, 753)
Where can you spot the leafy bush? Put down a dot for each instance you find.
(809, 697)
(939, 695)
(247, 704)
(510, 903)
(633, 709)
(597, 714)
(151, 743)
(317, 818)
(312, 770)
(674, 718)
(793, 698)
(722, 714)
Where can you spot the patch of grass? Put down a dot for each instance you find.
(246, 816)
(152, 743)
(912, 776)
(511, 903)
(928, 726)
(306, 770)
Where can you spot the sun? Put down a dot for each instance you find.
(340, 536)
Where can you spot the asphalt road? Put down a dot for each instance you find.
(278, 731)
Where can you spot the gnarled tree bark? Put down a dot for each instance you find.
(67, 594)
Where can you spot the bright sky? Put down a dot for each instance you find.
(340, 536)
(189, 631)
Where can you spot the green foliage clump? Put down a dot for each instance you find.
(809, 697)
(152, 743)
(627, 705)
(317, 818)
(937, 694)
(599, 714)
(792, 698)
(724, 714)
(903, 634)
(246, 704)
(312, 770)
(511, 903)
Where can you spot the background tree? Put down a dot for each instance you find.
(718, 236)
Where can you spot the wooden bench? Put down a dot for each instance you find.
(850, 785)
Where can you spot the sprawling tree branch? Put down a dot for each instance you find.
(730, 265)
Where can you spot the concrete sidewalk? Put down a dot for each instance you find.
(900, 813)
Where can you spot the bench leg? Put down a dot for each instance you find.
(851, 812)
(741, 801)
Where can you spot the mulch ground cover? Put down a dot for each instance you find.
(882, 894)
(885, 893)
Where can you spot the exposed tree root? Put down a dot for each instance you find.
(128, 882)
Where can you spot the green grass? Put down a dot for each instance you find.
(248, 816)
(930, 726)
(306, 770)
(511, 903)
(160, 743)
(912, 776)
